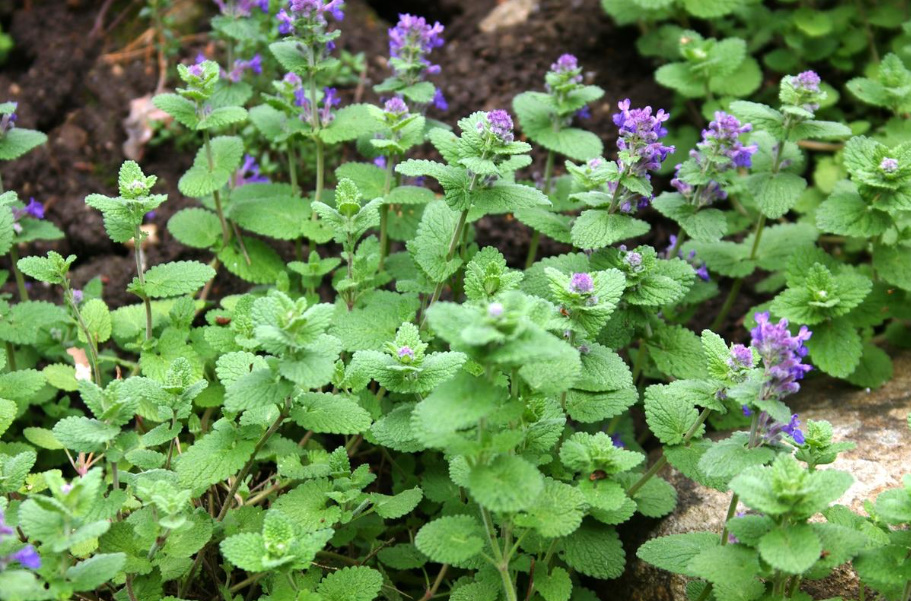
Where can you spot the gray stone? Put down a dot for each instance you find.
(877, 421)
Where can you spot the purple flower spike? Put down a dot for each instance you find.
(747, 412)
(406, 354)
(581, 283)
(781, 355)
(888, 165)
(27, 557)
(285, 22)
(566, 62)
(640, 135)
(34, 209)
(633, 259)
(78, 295)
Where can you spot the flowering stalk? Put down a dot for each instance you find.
(641, 150)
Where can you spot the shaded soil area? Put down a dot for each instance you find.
(67, 86)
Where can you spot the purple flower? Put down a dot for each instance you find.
(8, 120)
(495, 310)
(792, 429)
(248, 173)
(564, 64)
(888, 165)
(27, 557)
(395, 106)
(741, 357)
(722, 139)
(500, 125)
(581, 283)
(703, 272)
(285, 22)
(747, 412)
(78, 295)
(330, 99)
(633, 259)
(4, 529)
(439, 101)
(781, 355)
(618, 442)
(583, 113)
(380, 162)
(808, 81)
(640, 142)
(34, 209)
(410, 42)
(406, 354)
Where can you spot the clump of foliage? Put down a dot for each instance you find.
(397, 412)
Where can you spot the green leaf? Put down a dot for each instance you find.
(195, 227)
(451, 539)
(594, 550)
(93, 572)
(677, 351)
(556, 586)
(674, 553)
(221, 117)
(792, 549)
(396, 506)
(17, 141)
(506, 485)
(431, 244)
(731, 569)
(776, 193)
(203, 179)
(97, 319)
(596, 228)
(669, 415)
(556, 512)
(265, 264)
(182, 109)
(350, 123)
(874, 369)
(893, 264)
(835, 347)
(706, 225)
(354, 583)
(846, 214)
(174, 279)
(83, 434)
(215, 457)
(8, 410)
(51, 269)
(328, 413)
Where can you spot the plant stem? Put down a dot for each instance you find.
(536, 235)
(795, 585)
(906, 594)
(292, 168)
(384, 213)
(137, 247)
(225, 232)
(11, 356)
(738, 283)
(90, 341)
(502, 562)
(732, 509)
(436, 583)
(14, 267)
(453, 244)
(663, 460)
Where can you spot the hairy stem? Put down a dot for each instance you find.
(14, 267)
(90, 340)
(140, 272)
(384, 213)
(225, 231)
(536, 235)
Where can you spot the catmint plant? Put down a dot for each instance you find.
(547, 119)
(411, 41)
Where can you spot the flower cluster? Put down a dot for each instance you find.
(8, 120)
(803, 91)
(27, 557)
(888, 165)
(771, 430)
(405, 354)
(241, 8)
(781, 355)
(741, 357)
(303, 17)
(255, 64)
(719, 150)
(565, 77)
(581, 283)
(395, 107)
(410, 41)
(324, 113)
(248, 173)
(641, 150)
(499, 124)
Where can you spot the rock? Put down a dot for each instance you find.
(877, 421)
(507, 14)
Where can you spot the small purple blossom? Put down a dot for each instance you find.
(747, 412)
(5, 530)
(395, 106)
(781, 355)
(8, 120)
(792, 429)
(196, 69)
(617, 441)
(500, 124)
(722, 139)
(741, 357)
(406, 354)
(633, 259)
(78, 296)
(380, 162)
(255, 64)
(285, 22)
(771, 430)
(808, 81)
(324, 113)
(640, 135)
(888, 165)
(703, 273)
(34, 209)
(583, 113)
(581, 283)
(566, 62)
(495, 310)
(248, 173)
(439, 101)
(27, 557)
